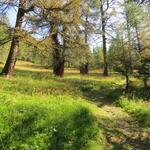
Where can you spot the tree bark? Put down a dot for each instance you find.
(8, 69)
(84, 68)
(138, 39)
(58, 57)
(58, 68)
(103, 20)
(127, 83)
(145, 84)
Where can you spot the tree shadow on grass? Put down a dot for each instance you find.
(71, 133)
(105, 96)
(124, 137)
(141, 93)
(19, 133)
(100, 92)
(75, 133)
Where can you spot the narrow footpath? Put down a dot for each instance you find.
(122, 132)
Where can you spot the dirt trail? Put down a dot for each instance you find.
(122, 132)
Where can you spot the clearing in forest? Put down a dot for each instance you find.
(40, 111)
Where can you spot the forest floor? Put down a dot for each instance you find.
(123, 132)
(125, 124)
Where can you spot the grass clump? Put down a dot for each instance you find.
(137, 108)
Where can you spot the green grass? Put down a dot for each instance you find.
(47, 122)
(139, 109)
(93, 87)
(41, 112)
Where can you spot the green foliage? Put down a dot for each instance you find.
(97, 58)
(121, 58)
(144, 70)
(4, 41)
(136, 14)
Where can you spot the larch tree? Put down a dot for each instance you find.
(104, 7)
(138, 20)
(89, 14)
(60, 20)
(9, 67)
(119, 56)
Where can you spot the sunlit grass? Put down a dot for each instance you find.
(39, 111)
(139, 109)
(34, 93)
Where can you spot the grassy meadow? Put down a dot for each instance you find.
(41, 112)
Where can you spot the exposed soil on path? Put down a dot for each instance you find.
(122, 131)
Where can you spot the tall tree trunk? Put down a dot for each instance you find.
(103, 20)
(58, 68)
(58, 57)
(8, 69)
(84, 68)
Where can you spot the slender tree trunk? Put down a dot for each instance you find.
(129, 39)
(8, 69)
(84, 68)
(138, 39)
(127, 83)
(145, 84)
(103, 20)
